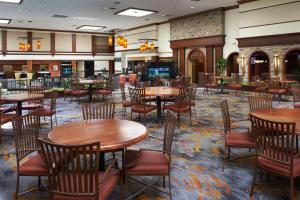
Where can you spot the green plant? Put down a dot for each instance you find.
(221, 66)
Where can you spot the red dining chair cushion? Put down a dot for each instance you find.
(239, 139)
(79, 92)
(45, 112)
(297, 106)
(126, 103)
(176, 108)
(103, 91)
(143, 108)
(34, 166)
(277, 167)
(5, 118)
(105, 188)
(149, 163)
(31, 106)
(277, 91)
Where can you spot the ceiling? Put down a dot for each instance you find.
(38, 13)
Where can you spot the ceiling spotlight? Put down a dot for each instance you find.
(192, 7)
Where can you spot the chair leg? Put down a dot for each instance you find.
(170, 190)
(178, 119)
(17, 187)
(39, 182)
(55, 119)
(164, 181)
(225, 150)
(228, 154)
(292, 188)
(190, 117)
(51, 122)
(253, 182)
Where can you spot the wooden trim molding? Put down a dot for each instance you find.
(269, 40)
(74, 43)
(231, 7)
(4, 42)
(52, 48)
(124, 50)
(182, 60)
(246, 1)
(29, 41)
(93, 45)
(218, 40)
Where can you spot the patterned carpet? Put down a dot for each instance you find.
(197, 161)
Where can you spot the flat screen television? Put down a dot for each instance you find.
(164, 70)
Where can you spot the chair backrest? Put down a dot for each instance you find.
(275, 140)
(274, 83)
(92, 111)
(73, 170)
(193, 89)
(184, 97)
(260, 102)
(123, 94)
(137, 95)
(296, 95)
(170, 124)
(36, 90)
(143, 84)
(26, 130)
(226, 116)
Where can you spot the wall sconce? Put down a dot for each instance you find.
(276, 65)
(243, 63)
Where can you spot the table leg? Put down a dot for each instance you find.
(158, 102)
(102, 161)
(123, 186)
(19, 108)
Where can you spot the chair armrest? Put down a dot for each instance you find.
(157, 138)
(108, 169)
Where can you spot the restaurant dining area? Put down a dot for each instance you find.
(149, 100)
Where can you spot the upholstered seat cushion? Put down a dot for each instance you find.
(31, 106)
(45, 112)
(149, 163)
(34, 166)
(103, 91)
(79, 92)
(277, 91)
(211, 85)
(297, 106)
(239, 139)
(5, 118)
(106, 186)
(180, 108)
(234, 86)
(143, 108)
(277, 167)
(126, 103)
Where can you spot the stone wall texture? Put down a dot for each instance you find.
(271, 52)
(202, 25)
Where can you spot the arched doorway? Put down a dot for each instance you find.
(259, 66)
(292, 65)
(233, 63)
(197, 60)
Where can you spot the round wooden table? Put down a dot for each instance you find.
(280, 115)
(113, 134)
(161, 91)
(20, 98)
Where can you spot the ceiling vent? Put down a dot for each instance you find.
(196, 0)
(60, 16)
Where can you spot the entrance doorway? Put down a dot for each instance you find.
(197, 59)
(88, 69)
(233, 64)
(259, 66)
(292, 65)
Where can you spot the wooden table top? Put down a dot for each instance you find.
(84, 82)
(113, 134)
(12, 98)
(161, 91)
(280, 115)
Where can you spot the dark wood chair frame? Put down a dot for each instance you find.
(91, 111)
(260, 102)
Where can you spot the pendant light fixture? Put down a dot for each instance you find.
(147, 44)
(110, 40)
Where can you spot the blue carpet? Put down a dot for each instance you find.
(197, 161)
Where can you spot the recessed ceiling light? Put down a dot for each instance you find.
(192, 7)
(11, 1)
(60, 16)
(5, 21)
(135, 12)
(84, 18)
(87, 27)
(163, 15)
(20, 10)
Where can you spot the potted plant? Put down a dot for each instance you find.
(221, 66)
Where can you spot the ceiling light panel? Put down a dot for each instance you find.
(11, 1)
(5, 21)
(135, 12)
(94, 28)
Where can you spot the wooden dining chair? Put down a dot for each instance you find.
(275, 88)
(275, 151)
(149, 162)
(260, 102)
(91, 111)
(233, 136)
(34, 91)
(29, 161)
(296, 97)
(78, 91)
(107, 90)
(49, 110)
(5, 117)
(125, 103)
(182, 104)
(138, 102)
(74, 171)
